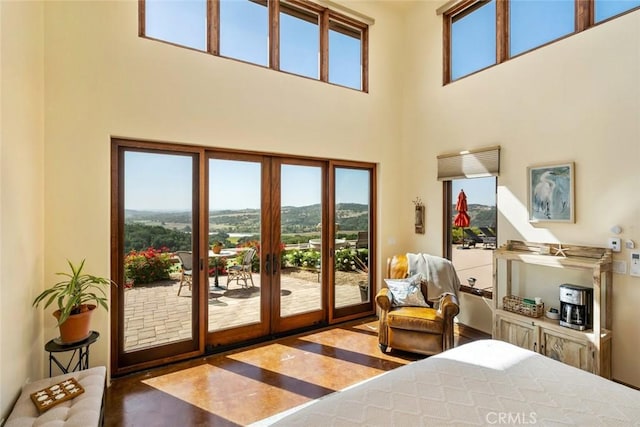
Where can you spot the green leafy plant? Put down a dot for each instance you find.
(73, 293)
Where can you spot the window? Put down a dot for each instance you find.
(299, 42)
(345, 55)
(534, 23)
(296, 36)
(605, 9)
(471, 175)
(479, 34)
(181, 23)
(471, 247)
(244, 31)
(473, 40)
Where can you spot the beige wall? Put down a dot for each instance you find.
(576, 100)
(103, 80)
(21, 195)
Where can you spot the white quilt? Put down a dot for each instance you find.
(481, 383)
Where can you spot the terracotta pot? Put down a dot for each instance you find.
(76, 327)
(216, 249)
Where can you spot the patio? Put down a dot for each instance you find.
(154, 314)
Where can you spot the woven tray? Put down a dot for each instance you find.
(57, 393)
(517, 304)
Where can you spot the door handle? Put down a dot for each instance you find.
(276, 264)
(267, 264)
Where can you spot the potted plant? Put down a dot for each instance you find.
(73, 297)
(216, 247)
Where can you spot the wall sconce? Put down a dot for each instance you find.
(419, 217)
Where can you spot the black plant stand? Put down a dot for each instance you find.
(80, 348)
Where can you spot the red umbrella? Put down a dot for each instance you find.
(461, 219)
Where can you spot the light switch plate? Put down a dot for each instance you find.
(634, 269)
(614, 244)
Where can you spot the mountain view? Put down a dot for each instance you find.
(172, 229)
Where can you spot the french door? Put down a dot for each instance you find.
(292, 248)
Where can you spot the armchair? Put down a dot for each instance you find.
(423, 330)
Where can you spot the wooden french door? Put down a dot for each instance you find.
(156, 198)
(282, 224)
(249, 197)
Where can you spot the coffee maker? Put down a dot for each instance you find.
(576, 304)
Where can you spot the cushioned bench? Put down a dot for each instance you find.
(85, 410)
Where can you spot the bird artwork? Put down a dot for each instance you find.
(543, 194)
(551, 193)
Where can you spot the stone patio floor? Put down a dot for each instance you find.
(154, 314)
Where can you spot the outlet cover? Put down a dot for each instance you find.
(620, 267)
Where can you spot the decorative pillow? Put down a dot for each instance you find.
(406, 292)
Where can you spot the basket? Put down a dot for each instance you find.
(518, 305)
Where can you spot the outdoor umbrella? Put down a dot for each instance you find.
(462, 218)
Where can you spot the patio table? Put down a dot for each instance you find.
(222, 254)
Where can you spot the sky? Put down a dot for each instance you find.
(532, 24)
(164, 182)
(478, 190)
(244, 34)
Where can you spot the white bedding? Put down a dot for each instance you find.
(481, 383)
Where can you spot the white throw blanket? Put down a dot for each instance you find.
(439, 273)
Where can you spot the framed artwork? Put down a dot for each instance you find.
(551, 193)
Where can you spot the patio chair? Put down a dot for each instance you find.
(363, 240)
(186, 269)
(489, 238)
(471, 238)
(242, 271)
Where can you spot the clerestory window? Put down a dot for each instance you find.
(482, 33)
(294, 36)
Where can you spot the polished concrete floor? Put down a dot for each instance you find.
(250, 384)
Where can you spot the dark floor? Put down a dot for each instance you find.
(247, 385)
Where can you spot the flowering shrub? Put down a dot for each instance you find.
(217, 263)
(148, 266)
(352, 260)
(302, 258)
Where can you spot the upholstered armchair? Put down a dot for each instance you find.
(423, 330)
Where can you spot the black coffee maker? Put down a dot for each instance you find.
(576, 304)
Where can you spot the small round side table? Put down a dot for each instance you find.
(81, 349)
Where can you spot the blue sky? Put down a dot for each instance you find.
(164, 182)
(478, 190)
(244, 34)
(532, 24)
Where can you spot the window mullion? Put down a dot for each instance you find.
(502, 31)
(213, 26)
(274, 34)
(584, 14)
(142, 10)
(364, 42)
(324, 46)
(446, 48)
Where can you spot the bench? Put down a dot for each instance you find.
(85, 410)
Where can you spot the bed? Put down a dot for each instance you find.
(485, 382)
